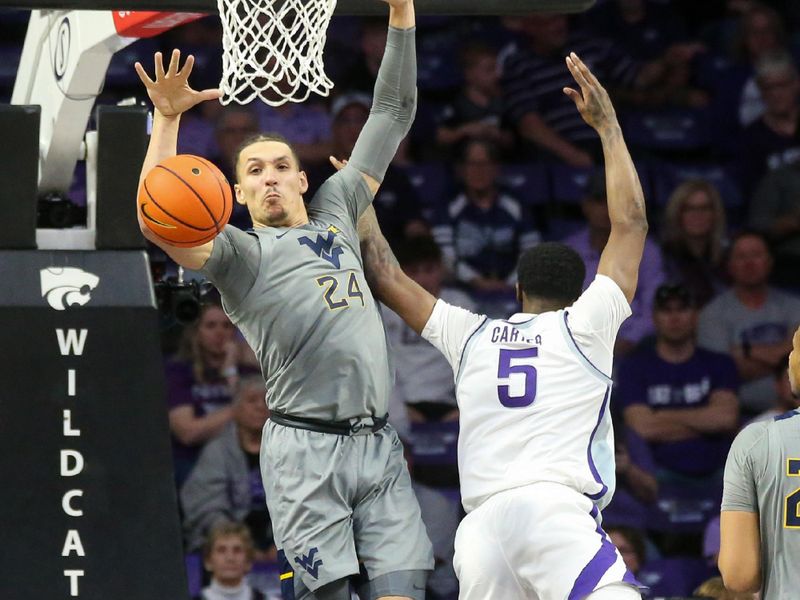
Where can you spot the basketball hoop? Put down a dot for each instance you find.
(272, 49)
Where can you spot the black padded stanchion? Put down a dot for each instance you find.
(19, 174)
(121, 146)
(87, 502)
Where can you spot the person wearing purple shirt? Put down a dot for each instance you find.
(679, 398)
(589, 243)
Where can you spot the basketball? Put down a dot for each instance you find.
(185, 200)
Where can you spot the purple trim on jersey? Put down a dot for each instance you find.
(601, 562)
(592, 467)
(578, 348)
(788, 415)
(480, 326)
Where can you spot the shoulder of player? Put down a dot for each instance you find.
(753, 434)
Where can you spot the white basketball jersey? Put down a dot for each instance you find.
(534, 392)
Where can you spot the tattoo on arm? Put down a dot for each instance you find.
(379, 260)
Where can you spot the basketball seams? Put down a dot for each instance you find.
(194, 191)
(224, 189)
(169, 214)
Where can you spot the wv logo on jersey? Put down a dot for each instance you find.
(308, 562)
(323, 246)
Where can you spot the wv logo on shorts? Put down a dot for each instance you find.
(323, 246)
(308, 562)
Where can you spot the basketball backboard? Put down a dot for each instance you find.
(344, 7)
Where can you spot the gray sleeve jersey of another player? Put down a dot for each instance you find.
(299, 297)
(762, 475)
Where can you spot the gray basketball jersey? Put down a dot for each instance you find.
(762, 475)
(300, 299)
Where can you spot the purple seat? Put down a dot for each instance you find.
(527, 182)
(672, 129)
(433, 184)
(668, 176)
(435, 443)
(670, 577)
(194, 573)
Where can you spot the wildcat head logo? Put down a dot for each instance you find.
(63, 287)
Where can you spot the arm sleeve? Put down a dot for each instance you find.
(740, 486)
(393, 106)
(343, 196)
(234, 264)
(448, 329)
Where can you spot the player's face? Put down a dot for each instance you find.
(228, 562)
(271, 185)
(750, 262)
(675, 323)
(214, 330)
(251, 411)
(697, 215)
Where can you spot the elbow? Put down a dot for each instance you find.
(740, 582)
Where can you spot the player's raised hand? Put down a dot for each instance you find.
(592, 101)
(170, 92)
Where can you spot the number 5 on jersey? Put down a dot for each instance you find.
(517, 362)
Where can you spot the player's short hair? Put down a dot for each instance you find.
(263, 137)
(551, 271)
(225, 529)
(417, 250)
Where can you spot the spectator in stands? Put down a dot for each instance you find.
(396, 202)
(305, 124)
(484, 229)
(680, 398)
(637, 486)
(228, 556)
(200, 381)
(226, 484)
(693, 238)
(772, 141)
(362, 75)
(534, 74)
(589, 243)
(424, 389)
(234, 125)
(651, 31)
(775, 212)
(784, 399)
(752, 321)
(631, 545)
(477, 109)
(440, 516)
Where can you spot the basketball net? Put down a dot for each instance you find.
(272, 49)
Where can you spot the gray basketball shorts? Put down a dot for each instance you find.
(340, 504)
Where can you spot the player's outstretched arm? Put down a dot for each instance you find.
(386, 278)
(171, 95)
(394, 102)
(623, 252)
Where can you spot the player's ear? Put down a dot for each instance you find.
(303, 182)
(237, 190)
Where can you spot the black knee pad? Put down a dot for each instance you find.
(396, 583)
(335, 590)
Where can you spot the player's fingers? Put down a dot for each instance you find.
(143, 74)
(579, 77)
(159, 60)
(210, 94)
(574, 96)
(587, 73)
(187, 67)
(337, 164)
(174, 60)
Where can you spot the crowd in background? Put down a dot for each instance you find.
(708, 94)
